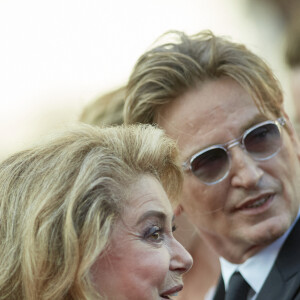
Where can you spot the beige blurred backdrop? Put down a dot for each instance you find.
(58, 55)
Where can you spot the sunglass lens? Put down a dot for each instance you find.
(211, 165)
(263, 141)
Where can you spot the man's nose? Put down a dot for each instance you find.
(245, 171)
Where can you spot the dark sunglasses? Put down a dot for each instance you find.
(262, 141)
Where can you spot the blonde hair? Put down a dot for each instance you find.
(106, 110)
(60, 199)
(169, 70)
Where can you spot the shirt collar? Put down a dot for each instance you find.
(262, 261)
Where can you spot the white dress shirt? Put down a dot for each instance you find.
(256, 269)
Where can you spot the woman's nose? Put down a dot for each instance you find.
(181, 260)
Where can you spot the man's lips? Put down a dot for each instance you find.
(255, 203)
(171, 292)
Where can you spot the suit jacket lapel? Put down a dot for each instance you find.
(284, 279)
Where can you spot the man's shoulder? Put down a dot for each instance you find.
(283, 281)
(289, 255)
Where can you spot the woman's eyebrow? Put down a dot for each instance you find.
(152, 213)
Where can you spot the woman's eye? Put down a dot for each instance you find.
(155, 233)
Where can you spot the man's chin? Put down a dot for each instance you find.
(259, 236)
(266, 232)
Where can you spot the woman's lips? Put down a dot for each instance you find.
(172, 292)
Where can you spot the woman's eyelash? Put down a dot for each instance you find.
(174, 227)
(154, 233)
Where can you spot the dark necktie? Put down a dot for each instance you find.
(238, 288)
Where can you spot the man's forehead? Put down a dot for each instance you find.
(183, 124)
(194, 136)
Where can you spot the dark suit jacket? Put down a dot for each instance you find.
(283, 282)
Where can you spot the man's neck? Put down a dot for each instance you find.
(263, 260)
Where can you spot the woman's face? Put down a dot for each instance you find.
(144, 261)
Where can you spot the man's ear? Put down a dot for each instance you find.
(293, 134)
(178, 210)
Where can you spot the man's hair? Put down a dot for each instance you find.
(169, 70)
(105, 110)
(60, 199)
(292, 51)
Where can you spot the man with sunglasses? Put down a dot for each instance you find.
(240, 155)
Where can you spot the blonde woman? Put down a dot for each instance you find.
(86, 215)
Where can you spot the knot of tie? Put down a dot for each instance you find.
(238, 288)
